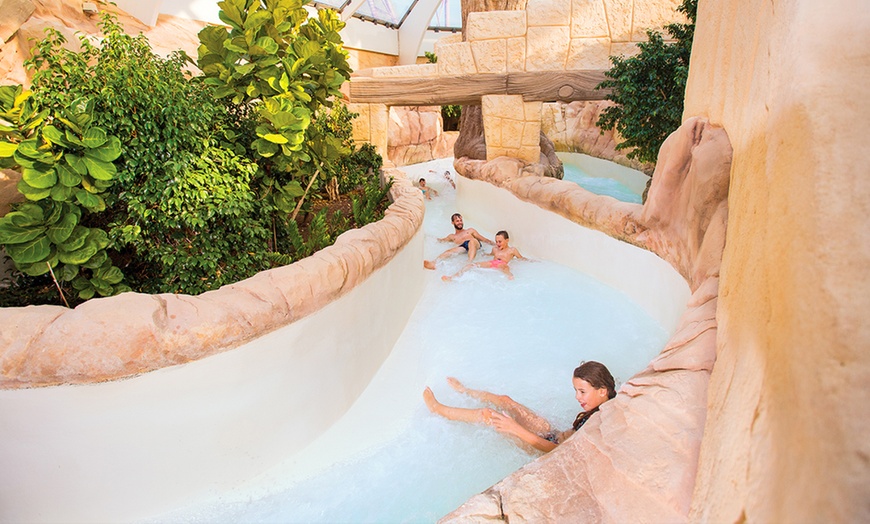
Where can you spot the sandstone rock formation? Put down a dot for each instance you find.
(17, 31)
(416, 134)
(636, 461)
(572, 127)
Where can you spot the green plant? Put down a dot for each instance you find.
(649, 89)
(66, 164)
(431, 57)
(371, 206)
(287, 67)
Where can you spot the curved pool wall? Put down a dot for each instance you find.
(126, 449)
(633, 179)
(648, 280)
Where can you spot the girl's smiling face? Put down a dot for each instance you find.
(588, 396)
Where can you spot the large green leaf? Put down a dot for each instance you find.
(76, 240)
(66, 176)
(108, 152)
(88, 199)
(76, 163)
(35, 250)
(213, 38)
(61, 231)
(7, 149)
(32, 193)
(12, 234)
(79, 256)
(39, 179)
(54, 135)
(94, 137)
(26, 215)
(61, 193)
(36, 269)
(99, 169)
(110, 275)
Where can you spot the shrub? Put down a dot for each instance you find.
(649, 89)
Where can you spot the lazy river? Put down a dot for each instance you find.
(388, 459)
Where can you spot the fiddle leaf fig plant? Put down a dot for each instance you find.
(288, 67)
(65, 165)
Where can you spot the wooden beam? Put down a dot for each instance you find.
(544, 86)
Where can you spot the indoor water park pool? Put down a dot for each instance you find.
(388, 459)
(604, 178)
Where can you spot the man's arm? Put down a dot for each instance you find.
(448, 238)
(480, 237)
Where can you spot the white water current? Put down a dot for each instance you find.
(388, 459)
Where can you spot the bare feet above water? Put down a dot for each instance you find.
(428, 264)
(446, 278)
(455, 384)
(429, 399)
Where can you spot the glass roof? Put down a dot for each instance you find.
(392, 13)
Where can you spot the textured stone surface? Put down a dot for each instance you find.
(495, 24)
(654, 15)
(635, 461)
(619, 19)
(13, 13)
(416, 135)
(110, 338)
(548, 12)
(547, 48)
(788, 432)
(490, 56)
(589, 53)
(588, 19)
(456, 59)
(414, 70)
(516, 55)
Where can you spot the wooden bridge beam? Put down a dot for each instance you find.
(543, 86)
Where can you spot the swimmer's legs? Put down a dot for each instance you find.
(430, 264)
(473, 246)
(448, 278)
(479, 415)
(507, 271)
(525, 416)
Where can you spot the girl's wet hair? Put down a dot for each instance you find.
(503, 234)
(597, 375)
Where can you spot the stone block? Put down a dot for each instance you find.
(531, 134)
(406, 71)
(379, 122)
(516, 55)
(548, 12)
(452, 38)
(495, 24)
(547, 48)
(361, 124)
(529, 154)
(619, 19)
(512, 133)
(588, 19)
(490, 56)
(456, 59)
(13, 13)
(492, 131)
(532, 111)
(624, 49)
(589, 53)
(653, 15)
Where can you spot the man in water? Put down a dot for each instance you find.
(466, 240)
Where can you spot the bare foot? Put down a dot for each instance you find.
(428, 264)
(431, 403)
(445, 278)
(455, 384)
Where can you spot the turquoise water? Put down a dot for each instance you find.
(600, 185)
(389, 459)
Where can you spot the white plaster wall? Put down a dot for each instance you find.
(645, 278)
(127, 449)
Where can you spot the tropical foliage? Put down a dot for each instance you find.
(649, 89)
(140, 176)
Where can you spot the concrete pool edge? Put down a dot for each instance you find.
(637, 460)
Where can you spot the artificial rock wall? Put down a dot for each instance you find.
(788, 431)
(416, 134)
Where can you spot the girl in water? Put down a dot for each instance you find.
(593, 386)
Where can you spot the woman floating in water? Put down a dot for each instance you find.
(502, 253)
(593, 386)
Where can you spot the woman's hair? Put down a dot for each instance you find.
(422, 180)
(596, 374)
(503, 234)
